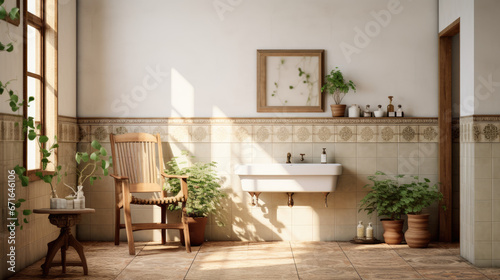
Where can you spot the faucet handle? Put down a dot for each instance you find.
(302, 157)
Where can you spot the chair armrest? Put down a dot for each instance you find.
(118, 177)
(174, 176)
(183, 179)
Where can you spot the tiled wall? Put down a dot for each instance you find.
(480, 189)
(31, 242)
(361, 145)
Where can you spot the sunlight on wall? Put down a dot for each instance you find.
(181, 96)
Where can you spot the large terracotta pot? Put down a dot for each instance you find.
(418, 234)
(393, 231)
(338, 110)
(196, 231)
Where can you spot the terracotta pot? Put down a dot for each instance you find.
(393, 231)
(196, 231)
(418, 234)
(338, 110)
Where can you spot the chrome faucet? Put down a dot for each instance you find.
(288, 157)
(302, 157)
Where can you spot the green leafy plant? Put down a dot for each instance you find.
(420, 195)
(386, 197)
(204, 190)
(391, 198)
(13, 13)
(97, 165)
(336, 86)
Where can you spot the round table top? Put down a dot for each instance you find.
(63, 211)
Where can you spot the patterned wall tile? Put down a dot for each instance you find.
(84, 133)
(120, 129)
(367, 133)
(428, 134)
(100, 133)
(262, 133)
(345, 134)
(302, 133)
(242, 133)
(200, 134)
(323, 133)
(164, 131)
(176, 133)
(282, 134)
(388, 134)
(221, 134)
(489, 132)
(408, 134)
(138, 129)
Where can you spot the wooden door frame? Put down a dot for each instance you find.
(445, 136)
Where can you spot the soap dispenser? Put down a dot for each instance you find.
(323, 156)
(360, 230)
(353, 111)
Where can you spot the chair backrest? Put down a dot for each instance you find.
(139, 157)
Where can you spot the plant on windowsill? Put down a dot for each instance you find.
(418, 196)
(204, 193)
(337, 87)
(387, 198)
(97, 164)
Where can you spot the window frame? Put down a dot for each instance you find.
(40, 24)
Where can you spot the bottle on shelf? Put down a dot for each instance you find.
(367, 113)
(323, 156)
(399, 112)
(379, 112)
(360, 233)
(390, 108)
(369, 231)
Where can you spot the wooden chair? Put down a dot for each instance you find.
(138, 168)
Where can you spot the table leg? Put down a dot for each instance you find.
(79, 249)
(53, 247)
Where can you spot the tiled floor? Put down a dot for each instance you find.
(268, 260)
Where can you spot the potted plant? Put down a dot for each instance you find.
(418, 196)
(204, 193)
(337, 87)
(96, 164)
(386, 197)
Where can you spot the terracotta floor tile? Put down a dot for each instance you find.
(267, 260)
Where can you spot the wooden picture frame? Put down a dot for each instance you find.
(8, 8)
(290, 81)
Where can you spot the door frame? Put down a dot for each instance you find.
(445, 123)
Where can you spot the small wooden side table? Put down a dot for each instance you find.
(64, 219)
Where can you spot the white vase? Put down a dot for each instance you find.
(378, 114)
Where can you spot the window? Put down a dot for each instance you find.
(40, 75)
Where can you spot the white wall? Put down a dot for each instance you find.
(67, 58)
(206, 53)
(486, 58)
(449, 11)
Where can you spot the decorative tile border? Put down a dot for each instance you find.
(9, 131)
(68, 130)
(268, 130)
(479, 129)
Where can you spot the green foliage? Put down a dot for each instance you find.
(390, 198)
(204, 190)
(13, 13)
(98, 164)
(420, 195)
(337, 86)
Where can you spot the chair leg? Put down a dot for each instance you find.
(128, 227)
(163, 221)
(187, 239)
(117, 225)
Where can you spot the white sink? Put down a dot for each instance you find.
(293, 177)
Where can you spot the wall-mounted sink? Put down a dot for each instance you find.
(289, 178)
